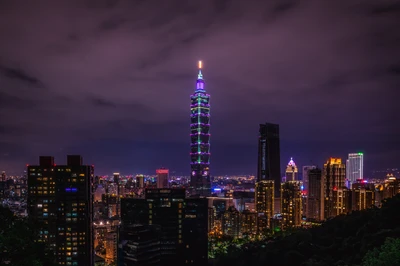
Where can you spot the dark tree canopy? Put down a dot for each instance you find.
(344, 240)
(17, 245)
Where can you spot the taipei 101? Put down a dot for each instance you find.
(203, 133)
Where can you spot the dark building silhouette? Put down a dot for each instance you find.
(269, 155)
(183, 223)
(200, 139)
(60, 198)
(195, 229)
(315, 197)
(139, 245)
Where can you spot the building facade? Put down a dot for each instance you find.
(269, 155)
(355, 167)
(291, 173)
(183, 223)
(305, 172)
(264, 203)
(315, 195)
(61, 198)
(291, 204)
(162, 178)
(334, 175)
(200, 138)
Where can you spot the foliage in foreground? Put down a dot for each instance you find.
(344, 240)
(17, 246)
(387, 254)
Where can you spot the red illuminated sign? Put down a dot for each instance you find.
(162, 171)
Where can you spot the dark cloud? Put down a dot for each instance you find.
(103, 103)
(115, 80)
(20, 75)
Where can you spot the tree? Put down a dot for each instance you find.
(17, 242)
(387, 254)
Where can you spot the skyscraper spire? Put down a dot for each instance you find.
(200, 75)
(200, 138)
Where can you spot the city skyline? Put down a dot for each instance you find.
(102, 88)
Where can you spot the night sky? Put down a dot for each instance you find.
(111, 80)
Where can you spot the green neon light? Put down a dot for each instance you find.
(360, 153)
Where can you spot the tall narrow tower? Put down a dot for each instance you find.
(200, 138)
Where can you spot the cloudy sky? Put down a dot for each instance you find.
(111, 80)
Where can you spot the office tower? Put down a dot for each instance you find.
(363, 198)
(264, 201)
(140, 181)
(343, 200)
(315, 197)
(61, 198)
(183, 223)
(355, 167)
(3, 176)
(334, 178)
(162, 178)
(200, 138)
(305, 173)
(139, 245)
(194, 233)
(248, 223)
(291, 204)
(291, 171)
(269, 155)
(111, 247)
(231, 222)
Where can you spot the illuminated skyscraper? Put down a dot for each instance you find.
(291, 171)
(200, 138)
(291, 204)
(334, 179)
(162, 178)
(269, 155)
(355, 167)
(264, 203)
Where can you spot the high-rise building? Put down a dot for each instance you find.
(140, 181)
(183, 223)
(248, 223)
(195, 229)
(264, 203)
(200, 138)
(291, 171)
(342, 197)
(269, 155)
(111, 247)
(315, 196)
(291, 204)
(231, 222)
(305, 173)
(162, 178)
(355, 167)
(139, 245)
(363, 198)
(334, 178)
(60, 197)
